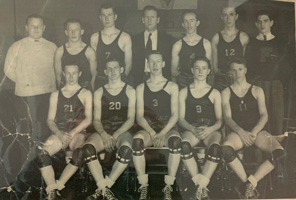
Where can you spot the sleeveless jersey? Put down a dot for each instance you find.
(157, 105)
(70, 111)
(82, 61)
(187, 55)
(244, 110)
(105, 51)
(200, 111)
(228, 49)
(114, 109)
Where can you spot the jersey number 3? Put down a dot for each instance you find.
(114, 106)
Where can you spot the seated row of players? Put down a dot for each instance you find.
(159, 107)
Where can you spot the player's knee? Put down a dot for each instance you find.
(276, 156)
(89, 153)
(77, 157)
(186, 150)
(228, 153)
(174, 144)
(43, 159)
(124, 154)
(214, 153)
(138, 147)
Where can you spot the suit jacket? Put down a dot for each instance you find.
(164, 46)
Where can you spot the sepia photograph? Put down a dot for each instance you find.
(147, 99)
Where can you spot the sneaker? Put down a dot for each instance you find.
(251, 192)
(144, 192)
(95, 196)
(108, 194)
(52, 195)
(202, 194)
(167, 190)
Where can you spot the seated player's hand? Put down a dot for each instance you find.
(108, 141)
(246, 138)
(205, 132)
(197, 131)
(66, 140)
(158, 140)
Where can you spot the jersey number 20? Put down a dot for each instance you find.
(114, 106)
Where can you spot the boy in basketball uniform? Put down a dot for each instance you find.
(157, 114)
(200, 116)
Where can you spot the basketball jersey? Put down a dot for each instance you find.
(244, 110)
(200, 111)
(228, 49)
(187, 55)
(81, 60)
(105, 51)
(157, 105)
(114, 108)
(70, 111)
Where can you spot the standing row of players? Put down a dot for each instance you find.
(72, 105)
(197, 108)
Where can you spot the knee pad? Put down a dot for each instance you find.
(138, 147)
(276, 156)
(124, 154)
(214, 153)
(77, 157)
(89, 153)
(186, 150)
(174, 143)
(228, 154)
(43, 159)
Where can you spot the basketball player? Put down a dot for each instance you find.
(76, 51)
(200, 115)
(114, 115)
(70, 113)
(110, 43)
(225, 44)
(187, 48)
(157, 114)
(245, 114)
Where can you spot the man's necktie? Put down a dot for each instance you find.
(149, 44)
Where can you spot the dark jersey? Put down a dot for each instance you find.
(265, 59)
(157, 106)
(81, 60)
(114, 109)
(200, 111)
(244, 110)
(105, 51)
(70, 111)
(187, 55)
(228, 49)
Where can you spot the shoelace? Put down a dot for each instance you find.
(109, 194)
(249, 190)
(144, 192)
(97, 193)
(167, 191)
(202, 192)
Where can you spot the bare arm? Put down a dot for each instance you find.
(244, 38)
(86, 98)
(127, 53)
(208, 49)
(92, 59)
(175, 59)
(131, 94)
(53, 102)
(58, 65)
(259, 94)
(182, 110)
(140, 111)
(215, 41)
(98, 111)
(218, 110)
(94, 40)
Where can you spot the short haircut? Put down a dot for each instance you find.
(107, 6)
(113, 59)
(154, 52)
(238, 60)
(202, 58)
(149, 7)
(72, 20)
(189, 12)
(264, 12)
(70, 64)
(228, 5)
(34, 16)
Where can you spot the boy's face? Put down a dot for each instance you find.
(108, 17)
(263, 24)
(238, 71)
(155, 64)
(74, 31)
(200, 70)
(190, 23)
(72, 74)
(229, 16)
(113, 70)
